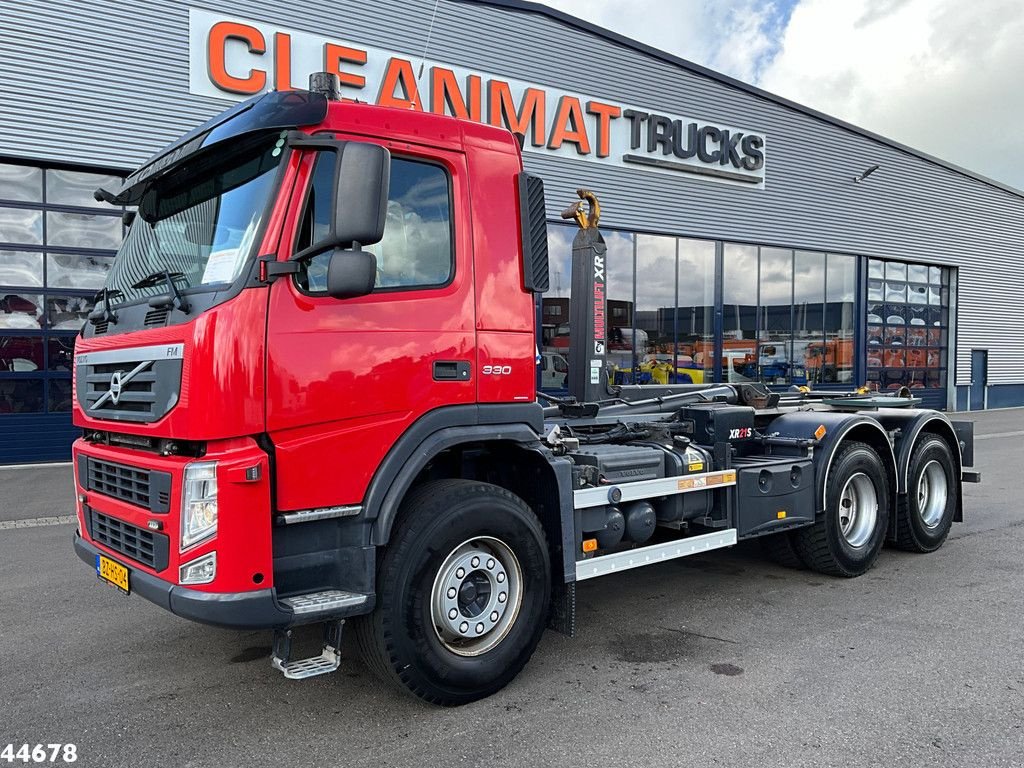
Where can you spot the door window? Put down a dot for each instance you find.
(416, 250)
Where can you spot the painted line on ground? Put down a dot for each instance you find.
(45, 465)
(994, 435)
(36, 522)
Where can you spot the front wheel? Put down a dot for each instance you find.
(463, 591)
(846, 539)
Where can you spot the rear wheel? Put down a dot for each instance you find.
(781, 549)
(846, 539)
(463, 591)
(926, 514)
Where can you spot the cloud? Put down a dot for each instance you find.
(938, 75)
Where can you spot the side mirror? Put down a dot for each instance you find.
(361, 193)
(351, 273)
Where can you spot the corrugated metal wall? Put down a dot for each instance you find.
(107, 84)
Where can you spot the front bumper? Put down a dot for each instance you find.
(257, 609)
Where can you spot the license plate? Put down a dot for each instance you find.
(112, 573)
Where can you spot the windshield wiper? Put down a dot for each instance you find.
(102, 313)
(173, 297)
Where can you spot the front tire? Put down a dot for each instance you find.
(462, 593)
(926, 514)
(846, 539)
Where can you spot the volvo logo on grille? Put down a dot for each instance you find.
(117, 384)
(115, 387)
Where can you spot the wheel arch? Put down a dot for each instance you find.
(504, 453)
(840, 428)
(925, 425)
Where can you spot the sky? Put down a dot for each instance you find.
(942, 76)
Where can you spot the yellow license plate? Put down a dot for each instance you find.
(112, 573)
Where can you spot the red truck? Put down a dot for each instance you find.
(308, 396)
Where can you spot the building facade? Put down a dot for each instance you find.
(749, 237)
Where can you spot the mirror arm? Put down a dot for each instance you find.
(271, 268)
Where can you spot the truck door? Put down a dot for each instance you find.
(347, 377)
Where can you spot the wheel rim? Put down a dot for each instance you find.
(476, 596)
(858, 510)
(932, 491)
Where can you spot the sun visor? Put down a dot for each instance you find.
(268, 111)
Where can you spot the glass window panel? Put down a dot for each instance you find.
(875, 290)
(21, 182)
(809, 306)
(935, 275)
(774, 349)
(21, 354)
(895, 292)
(619, 308)
(21, 225)
(655, 309)
(555, 304)
(917, 294)
(934, 295)
(21, 396)
(61, 350)
(25, 268)
(76, 187)
(917, 273)
(876, 313)
(695, 321)
(876, 269)
(835, 364)
(895, 270)
(68, 313)
(83, 230)
(21, 310)
(59, 398)
(739, 312)
(65, 270)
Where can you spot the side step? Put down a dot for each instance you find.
(655, 553)
(317, 606)
(328, 661)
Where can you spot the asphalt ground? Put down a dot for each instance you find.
(723, 659)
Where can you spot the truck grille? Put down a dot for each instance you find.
(140, 384)
(137, 544)
(141, 487)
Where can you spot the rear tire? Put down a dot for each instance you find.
(781, 550)
(846, 539)
(926, 514)
(463, 592)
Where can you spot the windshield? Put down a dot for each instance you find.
(198, 224)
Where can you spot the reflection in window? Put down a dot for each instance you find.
(83, 230)
(77, 187)
(774, 350)
(695, 311)
(59, 397)
(65, 270)
(907, 333)
(68, 313)
(655, 302)
(739, 312)
(21, 182)
(834, 363)
(21, 310)
(21, 268)
(20, 225)
(623, 345)
(416, 250)
(21, 396)
(61, 353)
(21, 354)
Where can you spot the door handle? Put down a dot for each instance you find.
(451, 370)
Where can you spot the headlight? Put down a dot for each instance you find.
(199, 507)
(200, 571)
